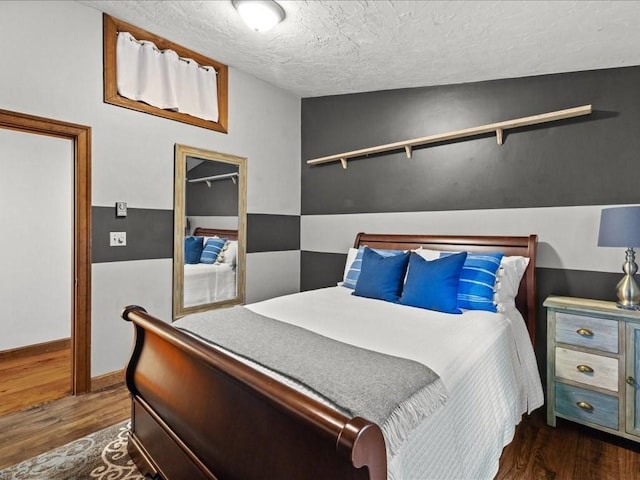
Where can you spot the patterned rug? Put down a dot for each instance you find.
(101, 455)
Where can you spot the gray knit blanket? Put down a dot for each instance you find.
(393, 392)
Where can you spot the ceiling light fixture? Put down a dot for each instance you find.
(259, 15)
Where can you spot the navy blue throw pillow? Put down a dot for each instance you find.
(193, 249)
(381, 276)
(433, 284)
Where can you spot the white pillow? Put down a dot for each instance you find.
(428, 254)
(508, 279)
(351, 256)
(231, 253)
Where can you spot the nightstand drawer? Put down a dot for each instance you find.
(587, 406)
(587, 368)
(589, 332)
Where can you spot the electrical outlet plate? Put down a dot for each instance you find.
(118, 239)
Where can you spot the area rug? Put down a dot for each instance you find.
(101, 455)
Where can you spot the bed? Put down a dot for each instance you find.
(208, 283)
(199, 411)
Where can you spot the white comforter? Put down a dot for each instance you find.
(485, 360)
(204, 283)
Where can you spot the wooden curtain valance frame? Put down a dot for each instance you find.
(498, 128)
(111, 27)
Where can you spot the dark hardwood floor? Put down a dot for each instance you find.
(37, 412)
(538, 451)
(567, 452)
(35, 430)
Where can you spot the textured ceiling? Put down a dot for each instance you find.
(327, 47)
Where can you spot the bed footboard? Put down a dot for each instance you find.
(199, 414)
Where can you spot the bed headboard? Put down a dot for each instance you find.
(524, 246)
(215, 232)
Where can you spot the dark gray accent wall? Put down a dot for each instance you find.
(327, 268)
(149, 234)
(583, 161)
(219, 199)
(271, 233)
(591, 160)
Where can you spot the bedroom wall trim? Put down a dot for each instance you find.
(37, 349)
(80, 135)
(107, 380)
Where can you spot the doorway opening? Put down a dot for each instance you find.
(74, 350)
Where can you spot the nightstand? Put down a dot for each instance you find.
(593, 365)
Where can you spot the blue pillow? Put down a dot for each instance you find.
(381, 276)
(212, 249)
(433, 284)
(353, 274)
(477, 280)
(193, 249)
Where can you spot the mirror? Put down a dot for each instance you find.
(209, 230)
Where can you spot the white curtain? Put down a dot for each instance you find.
(164, 80)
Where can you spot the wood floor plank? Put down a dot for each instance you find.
(35, 379)
(36, 430)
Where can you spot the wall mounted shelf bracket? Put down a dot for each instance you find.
(498, 128)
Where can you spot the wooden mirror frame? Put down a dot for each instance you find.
(181, 154)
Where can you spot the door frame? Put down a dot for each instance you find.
(80, 136)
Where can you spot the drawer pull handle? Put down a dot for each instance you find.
(585, 406)
(631, 381)
(585, 332)
(584, 369)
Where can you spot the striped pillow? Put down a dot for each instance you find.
(477, 280)
(212, 249)
(353, 273)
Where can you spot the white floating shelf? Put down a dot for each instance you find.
(498, 128)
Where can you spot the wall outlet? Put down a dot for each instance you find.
(117, 239)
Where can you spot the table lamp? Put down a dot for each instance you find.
(620, 227)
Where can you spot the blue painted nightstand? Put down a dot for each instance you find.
(593, 365)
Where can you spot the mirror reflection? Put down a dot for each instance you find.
(209, 230)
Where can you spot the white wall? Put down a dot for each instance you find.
(36, 244)
(560, 230)
(52, 67)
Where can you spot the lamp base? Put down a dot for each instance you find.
(627, 307)
(628, 291)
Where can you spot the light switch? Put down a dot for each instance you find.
(121, 209)
(117, 239)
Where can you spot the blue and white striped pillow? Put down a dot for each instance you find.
(477, 280)
(351, 278)
(212, 249)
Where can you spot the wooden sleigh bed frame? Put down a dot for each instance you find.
(197, 413)
(215, 232)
